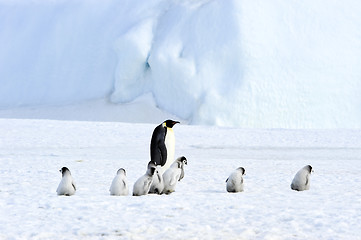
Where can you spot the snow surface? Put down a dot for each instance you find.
(259, 64)
(113, 70)
(32, 152)
(141, 110)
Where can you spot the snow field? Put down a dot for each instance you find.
(32, 152)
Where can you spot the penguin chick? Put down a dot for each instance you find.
(172, 175)
(142, 185)
(184, 162)
(119, 186)
(162, 145)
(66, 186)
(301, 181)
(157, 184)
(235, 180)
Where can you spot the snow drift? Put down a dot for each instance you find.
(229, 63)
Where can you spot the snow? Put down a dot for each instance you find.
(141, 110)
(249, 64)
(84, 83)
(32, 152)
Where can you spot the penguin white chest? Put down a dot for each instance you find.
(170, 178)
(170, 145)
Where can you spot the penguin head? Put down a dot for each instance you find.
(183, 160)
(242, 170)
(151, 168)
(309, 168)
(64, 170)
(169, 123)
(121, 171)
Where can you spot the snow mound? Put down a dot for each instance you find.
(227, 63)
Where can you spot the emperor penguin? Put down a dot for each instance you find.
(301, 181)
(162, 145)
(119, 186)
(184, 162)
(66, 186)
(158, 183)
(173, 174)
(142, 185)
(235, 180)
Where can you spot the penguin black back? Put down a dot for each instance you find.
(158, 149)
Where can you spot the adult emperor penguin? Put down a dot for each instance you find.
(235, 180)
(162, 145)
(158, 183)
(173, 174)
(301, 181)
(66, 186)
(142, 185)
(119, 186)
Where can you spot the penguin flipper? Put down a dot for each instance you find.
(158, 150)
(159, 178)
(159, 156)
(73, 185)
(163, 153)
(227, 179)
(182, 174)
